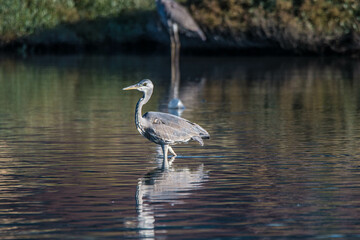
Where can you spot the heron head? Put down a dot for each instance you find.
(143, 86)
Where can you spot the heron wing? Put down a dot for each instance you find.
(171, 129)
(180, 15)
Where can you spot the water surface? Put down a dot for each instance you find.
(282, 161)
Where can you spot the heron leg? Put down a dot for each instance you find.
(173, 47)
(171, 160)
(165, 149)
(175, 31)
(172, 40)
(172, 151)
(176, 37)
(173, 62)
(173, 56)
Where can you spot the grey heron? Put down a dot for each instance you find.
(177, 19)
(163, 128)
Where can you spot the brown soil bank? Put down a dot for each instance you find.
(256, 26)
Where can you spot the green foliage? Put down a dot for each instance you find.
(90, 9)
(19, 18)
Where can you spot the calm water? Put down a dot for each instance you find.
(282, 163)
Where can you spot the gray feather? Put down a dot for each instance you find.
(172, 129)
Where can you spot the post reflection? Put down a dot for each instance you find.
(161, 189)
(175, 105)
(191, 90)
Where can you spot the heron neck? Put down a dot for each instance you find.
(142, 101)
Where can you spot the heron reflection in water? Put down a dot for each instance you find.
(163, 128)
(159, 190)
(177, 19)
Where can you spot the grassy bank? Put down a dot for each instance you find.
(311, 26)
(26, 25)
(299, 25)
(23, 18)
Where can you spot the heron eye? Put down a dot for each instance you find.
(145, 84)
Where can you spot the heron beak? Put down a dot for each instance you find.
(131, 87)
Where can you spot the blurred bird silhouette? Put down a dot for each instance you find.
(177, 19)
